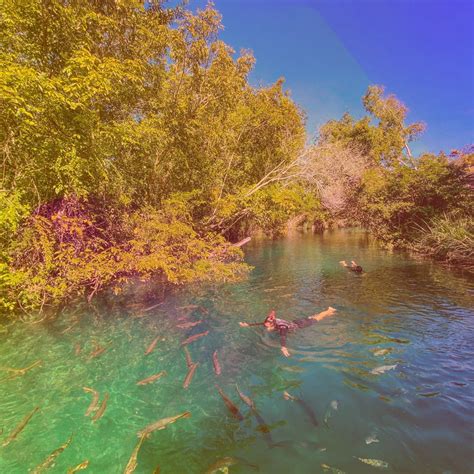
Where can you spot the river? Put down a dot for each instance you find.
(389, 377)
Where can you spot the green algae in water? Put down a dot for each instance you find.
(416, 310)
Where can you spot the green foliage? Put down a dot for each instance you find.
(449, 238)
(273, 206)
(393, 203)
(62, 256)
(383, 135)
(144, 110)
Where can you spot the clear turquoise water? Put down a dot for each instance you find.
(421, 411)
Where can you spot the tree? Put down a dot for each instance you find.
(383, 135)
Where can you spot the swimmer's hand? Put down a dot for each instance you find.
(244, 325)
(285, 351)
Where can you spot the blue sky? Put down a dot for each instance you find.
(329, 51)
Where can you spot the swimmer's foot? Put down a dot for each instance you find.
(324, 314)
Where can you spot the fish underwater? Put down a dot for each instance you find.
(262, 425)
(102, 408)
(371, 439)
(230, 405)
(162, 424)
(97, 351)
(19, 372)
(333, 406)
(332, 469)
(382, 369)
(189, 361)
(308, 410)
(217, 366)
(193, 338)
(188, 325)
(132, 462)
(50, 459)
(152, 345)
(20, 427)
(94, 402)
(152, 378)
(190, 374)
(247, 400)
(79, 467)
(374, 462)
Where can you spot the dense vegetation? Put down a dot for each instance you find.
(131, 141)
(424, 204)
(132, 144)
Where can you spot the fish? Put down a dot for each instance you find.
(19, 428)
(217, 366)
(162, 424)
(429, 394)
(97, 352)
(262, 425)
(193, 338)
(50, 459)
(152, 307)
(191, 324)
(309, 411)
(374, 462)
(69, 328)
(382, 352)
(152, 345)
(247, 400)
(102, 408)
(77, 348)
(382, 369)
(94, 402)
(226, 462)
(79, 467)
(333, 406)
(371, 439)
(334, 470)
(263, 428)
(152, 378)
(132, 462)
(287, 396)
(20, 372)
(190, 374)
(230, 405)
(189, 361)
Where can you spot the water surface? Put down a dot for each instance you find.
(396, 361)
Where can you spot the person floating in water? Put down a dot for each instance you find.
(353, 266)
(272, 323)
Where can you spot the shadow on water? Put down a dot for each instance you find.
(396, 361)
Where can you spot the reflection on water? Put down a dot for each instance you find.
(396, 362)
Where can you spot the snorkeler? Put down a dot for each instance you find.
(272, 323)
(353, 266)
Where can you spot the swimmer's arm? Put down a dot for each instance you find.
(246, 325)
(284, 350)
